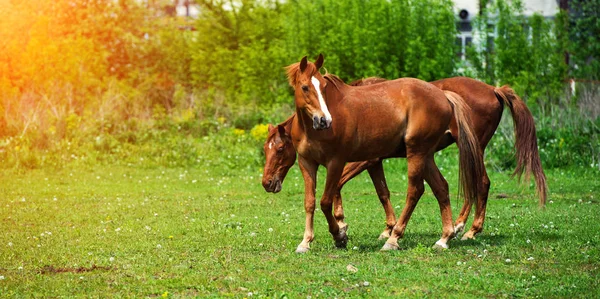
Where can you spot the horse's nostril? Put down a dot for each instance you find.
(316, 122)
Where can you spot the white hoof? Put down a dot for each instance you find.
(459, 228)
(343, 229)
(384, 235)
(302, 249)
(388, 247)
(440, 245)
(470, 235)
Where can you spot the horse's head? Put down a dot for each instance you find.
(309, 86)
(280, 157)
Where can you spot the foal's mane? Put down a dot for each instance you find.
(287, 124)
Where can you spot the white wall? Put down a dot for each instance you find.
(547, 8)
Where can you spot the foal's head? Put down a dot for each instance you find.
(309, 86)
(280, 157)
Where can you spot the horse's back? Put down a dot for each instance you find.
(485, 108)
(428, 111)
(478, 95)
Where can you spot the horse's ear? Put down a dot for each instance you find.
(303, 64)
(281, 130)
(271, 127)
(319, 62)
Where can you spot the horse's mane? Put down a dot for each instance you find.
(367, 81)
(292, 71)
(287, 124)
(335, 80)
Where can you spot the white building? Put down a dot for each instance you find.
(467, 10)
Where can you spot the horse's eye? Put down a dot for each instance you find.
(305, 88)
(280, 149)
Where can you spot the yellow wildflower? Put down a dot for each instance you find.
(239, 132)
(260, 132)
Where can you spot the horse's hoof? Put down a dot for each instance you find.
(385, 234)
(388, 247)
(302, 249)
(440, 246)
(470, 235)
(459, 228)
(343, 229)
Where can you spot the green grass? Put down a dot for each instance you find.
(138, 232)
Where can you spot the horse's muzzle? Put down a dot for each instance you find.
(321, 123)
(273, 185)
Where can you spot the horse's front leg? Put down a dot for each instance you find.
(309, 173)
(334, 173)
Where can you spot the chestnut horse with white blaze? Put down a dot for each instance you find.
(486, 103)
(337, 123)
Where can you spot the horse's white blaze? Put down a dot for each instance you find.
(270, 144)
(317, 84)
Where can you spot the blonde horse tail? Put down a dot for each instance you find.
(471, 168)
(527, 155)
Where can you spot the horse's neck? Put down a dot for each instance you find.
(335, 95)
(301, 122)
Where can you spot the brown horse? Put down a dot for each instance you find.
(337, 123)
(486, 103)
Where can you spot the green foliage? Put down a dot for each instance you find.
(238, 56)
(564, 139)
(526, 52)
(162, 143)
(431, 51)
(584, 30)
(375, 38)
(111, 81)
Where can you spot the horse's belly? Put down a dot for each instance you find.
(378, 145)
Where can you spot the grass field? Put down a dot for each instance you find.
(138, 232)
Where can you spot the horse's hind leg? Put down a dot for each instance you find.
(459, 225)
(338, 211)
(480, 208)
(439, 186)
(334, 173)
(378, 178)
(416, 168)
